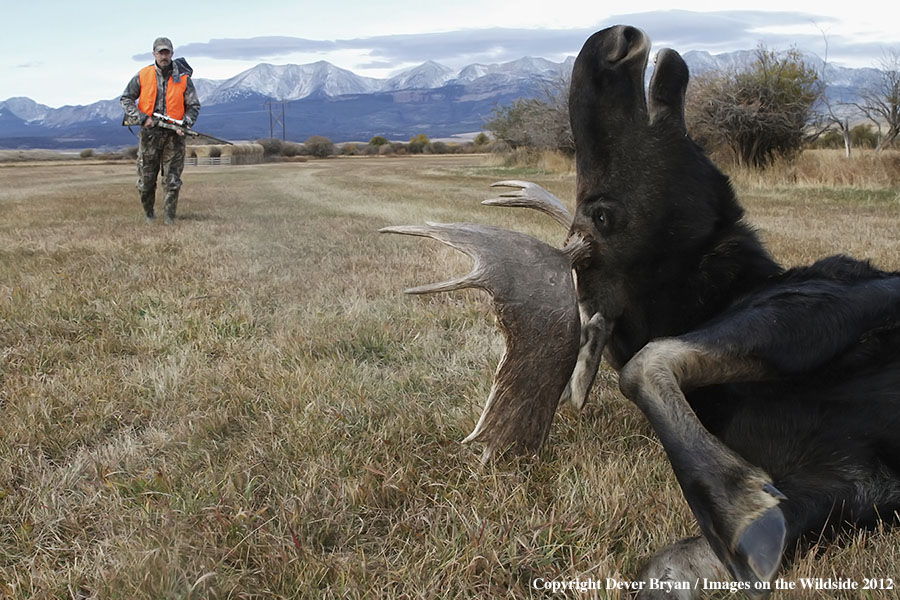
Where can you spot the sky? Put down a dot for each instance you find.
(70, 53)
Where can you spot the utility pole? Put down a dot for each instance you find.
(274, 119)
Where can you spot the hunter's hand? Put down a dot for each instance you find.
(148, 122)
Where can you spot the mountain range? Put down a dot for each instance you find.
(298, 101)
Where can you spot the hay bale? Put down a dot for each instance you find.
(247, 154)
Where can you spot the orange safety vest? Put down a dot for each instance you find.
(174, 93)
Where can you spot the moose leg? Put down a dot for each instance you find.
(735, 503)
(675, 571)
(776, 335)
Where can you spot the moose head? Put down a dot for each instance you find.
(648, 201)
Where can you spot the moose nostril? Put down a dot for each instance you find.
(619, 46)
(630, 34)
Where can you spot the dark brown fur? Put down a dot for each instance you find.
(775, 393)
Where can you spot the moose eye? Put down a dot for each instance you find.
(601, 220)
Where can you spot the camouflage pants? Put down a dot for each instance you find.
(160, 150)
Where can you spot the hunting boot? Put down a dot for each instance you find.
(147, 201)
(171, 205)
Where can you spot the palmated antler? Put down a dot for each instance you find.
(594, 330)
(533, 295)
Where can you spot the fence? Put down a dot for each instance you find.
(207, 160)
(236, 154)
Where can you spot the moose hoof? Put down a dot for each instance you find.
(758, 549)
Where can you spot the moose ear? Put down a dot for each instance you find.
(667, 89)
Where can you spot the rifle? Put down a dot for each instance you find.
(167, 122)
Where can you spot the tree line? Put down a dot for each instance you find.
(318, 146)
(773, 108)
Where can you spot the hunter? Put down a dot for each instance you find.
(164, 87)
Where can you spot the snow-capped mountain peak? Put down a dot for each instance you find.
(425, 76)
(291, 82)
(527, 67)
(25, 108)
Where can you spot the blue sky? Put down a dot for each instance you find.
(61, 53)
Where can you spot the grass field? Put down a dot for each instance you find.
(245, 404)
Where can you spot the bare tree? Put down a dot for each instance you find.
(834, 114)
(537, 123)
(556, 94)
(881, 101)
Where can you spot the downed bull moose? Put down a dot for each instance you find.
(775, 393)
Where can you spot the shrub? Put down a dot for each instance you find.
(757, 114)
(392, 148)
(291, 149)
(378, 140)
(271, 147)
(319, 146)
(481, 139)
(87, 153)
(417, 144)
(863, 136)
(349, 150)
(215, 152)
(440, 148)
(830, 139)
(131, 152)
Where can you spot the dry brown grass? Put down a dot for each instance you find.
(817, 168)
(245, 405)
(545, 161)
(22, 156)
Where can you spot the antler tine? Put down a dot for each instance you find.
(453, 236)
(533, 294)
(531, 195)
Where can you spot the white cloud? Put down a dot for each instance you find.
(76, 60)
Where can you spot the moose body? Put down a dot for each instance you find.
(775, 393)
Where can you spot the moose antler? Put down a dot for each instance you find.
(531, 195)
(594, 331)
(532, 288)
(533, 295)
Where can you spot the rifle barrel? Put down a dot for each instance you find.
(191, 132)
(168, 124)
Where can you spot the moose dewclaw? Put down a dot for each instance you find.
(775, 392)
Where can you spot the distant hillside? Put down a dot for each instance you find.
(322, 99)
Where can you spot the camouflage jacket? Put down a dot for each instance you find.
(133, 91)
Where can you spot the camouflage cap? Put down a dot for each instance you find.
(162, 42)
